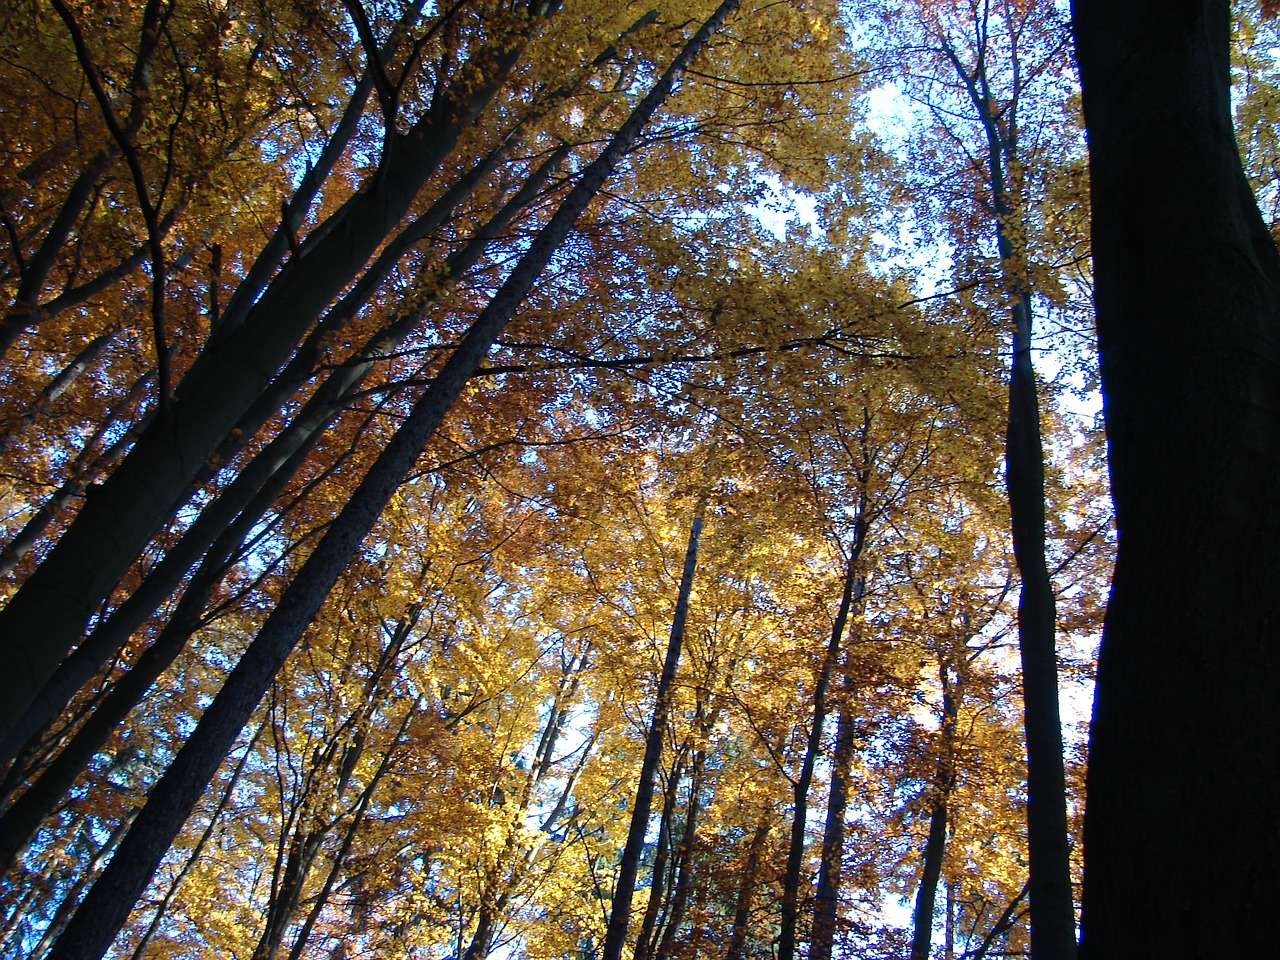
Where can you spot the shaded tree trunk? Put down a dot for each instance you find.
(629, 867)
(1181, 836)
(813, 750)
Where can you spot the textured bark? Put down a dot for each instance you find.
(1181, 835)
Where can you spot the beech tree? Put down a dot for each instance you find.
(1187, 275)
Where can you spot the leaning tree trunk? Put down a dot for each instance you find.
(1181, 833)
(45, 618)
(624, 888)
(107, 905)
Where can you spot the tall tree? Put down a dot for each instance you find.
(1186, 724)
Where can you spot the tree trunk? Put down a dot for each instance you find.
(1053, 929)
(813, 751)
(926, 894)
(826, 911)
(658, 873)
(685, 859)
(1053, 919)
(46, 617)
(1181, 836)
(935, 846)
(253, 491)
(628, 868)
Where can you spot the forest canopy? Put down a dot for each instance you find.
(589, 478)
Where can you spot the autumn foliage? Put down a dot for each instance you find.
(586, 272)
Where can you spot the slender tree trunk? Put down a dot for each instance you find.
(107, 904)
(813, 751)
(624, 888)
(826, 911)
(688, 846)
(1053, 929)
(82, 472)
(349, 835)
(936, 844)
(926, 893)
(658, 873)
(81, 880)
(56, 387)
(746, 891)
(1181, 837)
(1053, 923)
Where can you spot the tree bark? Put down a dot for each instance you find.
(45, 618)
(826, 910)
(1053, 927)
(935, 846)
(1181, 836)
(790, 906)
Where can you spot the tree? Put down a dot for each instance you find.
(988, 69)
(1186, 725)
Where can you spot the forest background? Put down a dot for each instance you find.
(452, 505)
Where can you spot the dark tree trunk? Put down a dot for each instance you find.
(46, 617)
(791, 879)
(237, 509)
(624, 888)
(1053, 924)
(658, 874)
(1053, 919)
(826, 910)
(935, 846)
(1181, 834)
(685, 884)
